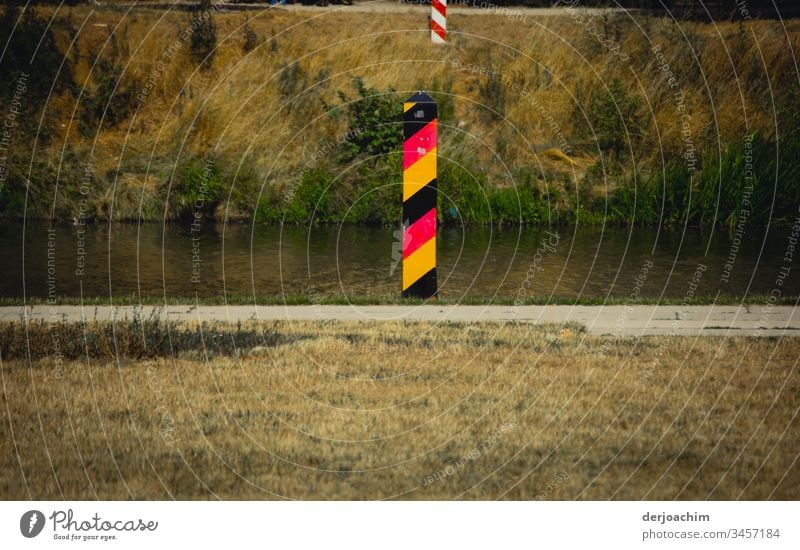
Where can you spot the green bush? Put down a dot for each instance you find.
(268, 207)
(108, 102)
(375, 122)
(612, 115)
(310, 197)
(463, 193)
(631, 203)
(199, 189)
(516, 205)
(375, 197)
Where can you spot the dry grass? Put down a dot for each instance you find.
(388, 410)
(237, 112)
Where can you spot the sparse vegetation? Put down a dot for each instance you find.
(34, 48)
(135, 338)
(108, 102)
(203, 41)
(250, 38)
(612, 119)
(369, 299)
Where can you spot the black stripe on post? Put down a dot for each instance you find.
(424, 287)
(419, 204)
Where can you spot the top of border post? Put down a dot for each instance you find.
(420, 97)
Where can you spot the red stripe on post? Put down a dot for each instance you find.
(437, 29)
(419, 232)
(438, 6)
(418, 145)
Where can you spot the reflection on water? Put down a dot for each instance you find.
(168, 260)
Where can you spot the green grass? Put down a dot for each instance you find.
(742, 183)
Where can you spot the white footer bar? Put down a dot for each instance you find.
(401, 525)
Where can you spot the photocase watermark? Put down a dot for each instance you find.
(397, 248)
(744, 212)
(590, 27)
(31, 523)
(316, 156)
(678, 96)
(52, 301)
(476, 453)
(783, 272)
(493, 9)
(52, 293)
(197, 219)
(80, 219)
(634, 296)
(169, 53)
(743, 9)
(9, 122)
(67, 527)
(524, 94)
(549, 243)
(158, 70)
(166, 421)
(552, 485)
(315, 297)
(647, 370)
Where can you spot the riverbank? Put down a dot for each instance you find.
(294, 116)
(382, 410)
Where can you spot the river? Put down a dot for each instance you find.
(568, 262)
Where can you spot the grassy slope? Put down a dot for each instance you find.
(448, 411)
(261, 118)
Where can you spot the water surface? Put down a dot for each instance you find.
(239, 259)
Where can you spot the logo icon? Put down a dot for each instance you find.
(31, 523)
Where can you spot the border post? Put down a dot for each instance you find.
(438, 21)
(419, 196)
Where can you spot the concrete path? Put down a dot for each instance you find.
(370, 6)
(757, 320)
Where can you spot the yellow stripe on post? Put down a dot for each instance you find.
(419, 174)
(419, 263)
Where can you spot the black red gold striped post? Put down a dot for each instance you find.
(419, 196)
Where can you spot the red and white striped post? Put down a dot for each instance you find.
(438, 21)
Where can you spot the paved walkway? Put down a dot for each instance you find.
(376, 7)
(637, 320)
